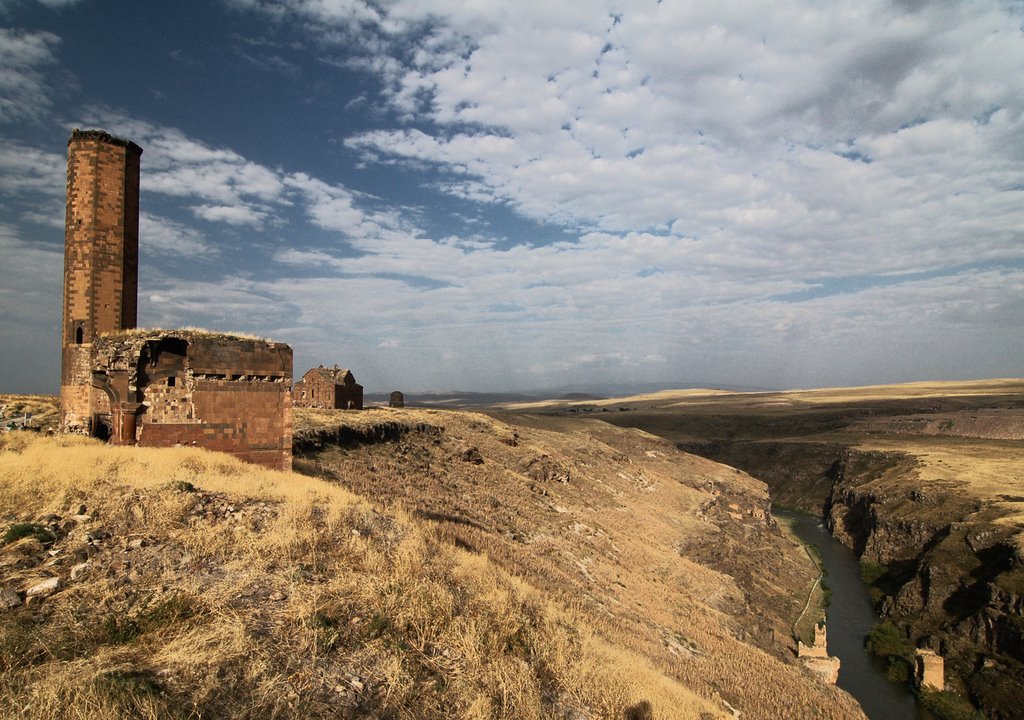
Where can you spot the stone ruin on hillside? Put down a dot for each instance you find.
(816, 657)
(162, 387)
(328, 388)
(397, 400)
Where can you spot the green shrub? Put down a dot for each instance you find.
(898, 670)
(826, 594)
(871, 572)
(886, 640)
(122, 629)
(948, 706)
(17, 531)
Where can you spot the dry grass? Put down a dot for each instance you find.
(657, 553)
(989, 471)
(657, 397)
(185, 331)
(45, 409)
(216, 589)
(730, 401)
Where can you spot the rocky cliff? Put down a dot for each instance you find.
(946, 568)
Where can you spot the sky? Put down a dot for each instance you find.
(519, 196)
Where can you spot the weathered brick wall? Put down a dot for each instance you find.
(168, 403)
(101, 245)
(348, 395)
(314, 391)
(184, 387)
(324, 388)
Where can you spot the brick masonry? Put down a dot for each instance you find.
(328, 388)
(153, 388)
(101, 259)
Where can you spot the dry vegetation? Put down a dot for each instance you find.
(45, 409)
(984, 472)
(667, 555)
(190, 585)
(925, 481)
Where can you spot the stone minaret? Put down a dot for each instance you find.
(101, 264)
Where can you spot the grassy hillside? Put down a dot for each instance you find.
(44, 409)
(666, 554)
(180, 583)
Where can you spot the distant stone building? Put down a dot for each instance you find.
(930, 671)
(154, 388)
(328, 388)
(397, 400)
(815, 656)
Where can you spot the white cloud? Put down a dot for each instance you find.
(24, 93)
(231, 214)
(160, 236)
(724, 125)
(26, 170)
(222, 185)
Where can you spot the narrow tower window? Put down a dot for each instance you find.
(79, 335)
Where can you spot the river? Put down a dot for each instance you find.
(850, 618)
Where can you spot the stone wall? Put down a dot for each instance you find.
(156, 388)
(328, 388)
(216, 391)
(101, 246)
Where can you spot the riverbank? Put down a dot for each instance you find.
(850, 618)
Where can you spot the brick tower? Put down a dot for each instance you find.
(101, 265)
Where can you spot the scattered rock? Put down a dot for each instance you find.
(44, 588)
(78, 570)
(472, 455)
(545, 469)
(97, 535)
(9, 597)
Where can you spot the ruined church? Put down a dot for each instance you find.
(328, 388)
(155, 388)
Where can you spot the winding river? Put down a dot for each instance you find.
(850, 618)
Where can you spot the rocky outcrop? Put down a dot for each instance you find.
(948, 575)
(800, 473)
(350, 435)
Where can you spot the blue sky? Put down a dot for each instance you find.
(477, 195)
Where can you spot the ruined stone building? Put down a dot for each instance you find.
(930, 670)
(328, 388)
(162, 387)
(397, 400)
(815, 656)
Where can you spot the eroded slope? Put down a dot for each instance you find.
(668, 554)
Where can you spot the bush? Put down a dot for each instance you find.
(886, 640)
(871, 572)
(948, 706)
(17, 531)
(898, 670)
(122, 629)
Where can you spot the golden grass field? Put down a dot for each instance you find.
(192, 585)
